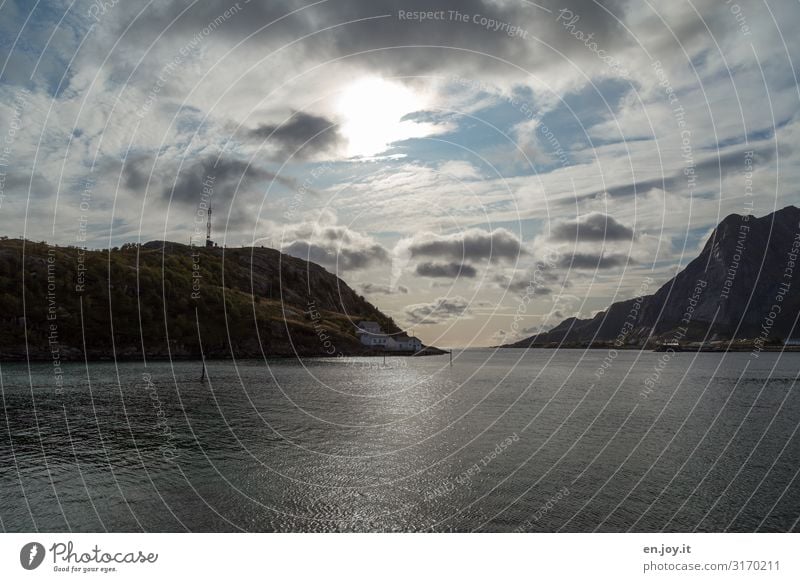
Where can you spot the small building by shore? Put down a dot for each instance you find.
(371, 334)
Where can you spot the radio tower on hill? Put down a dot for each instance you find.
(209, 242)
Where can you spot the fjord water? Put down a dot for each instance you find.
(501, 441)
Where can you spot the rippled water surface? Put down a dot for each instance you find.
(500, 441)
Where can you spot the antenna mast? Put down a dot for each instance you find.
(209, 242)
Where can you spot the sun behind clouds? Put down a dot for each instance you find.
(372, 110)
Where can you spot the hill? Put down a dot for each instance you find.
(743, 286)
(59, 302)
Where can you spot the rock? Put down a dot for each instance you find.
(744, 284)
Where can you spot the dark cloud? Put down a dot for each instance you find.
(595, 227)
(688, 28)
(470, 245)
(446, 270)
(438, 311)
(340, 259)
(360, 30)
(393, 31)
(136, 172)
(337, 248)
(233, 188)
(301, 136)
(224, 176)
(528, 289)
(380, 289)
(227, 176)
(591, 261)
(532, 286)
(20, 182)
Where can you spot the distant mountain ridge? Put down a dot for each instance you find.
(61, 303)
(745, 284)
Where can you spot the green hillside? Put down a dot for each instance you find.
(149, 298)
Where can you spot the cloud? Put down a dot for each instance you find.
(226, 177)
(380, 289)
(502, 336)
(21, 182)
(438, 311)
(595, 227)
(336, 247)
(593, 261)
(706, 169)
(446, 270)
(393, 31)
(531, 286)
(371, 36)
(302, 136)
(136, 172)
(460, 170)
(470, 245)
(529, 149)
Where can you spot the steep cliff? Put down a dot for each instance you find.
(745, 284)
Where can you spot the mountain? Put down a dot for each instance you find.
(57, 303)
(743, 286)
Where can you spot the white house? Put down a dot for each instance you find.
(371, 334)
(404, 343)
(374, 340)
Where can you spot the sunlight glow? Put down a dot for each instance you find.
(372, 109)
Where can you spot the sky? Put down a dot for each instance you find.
(479, 170)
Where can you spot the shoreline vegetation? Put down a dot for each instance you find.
(169, 301)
